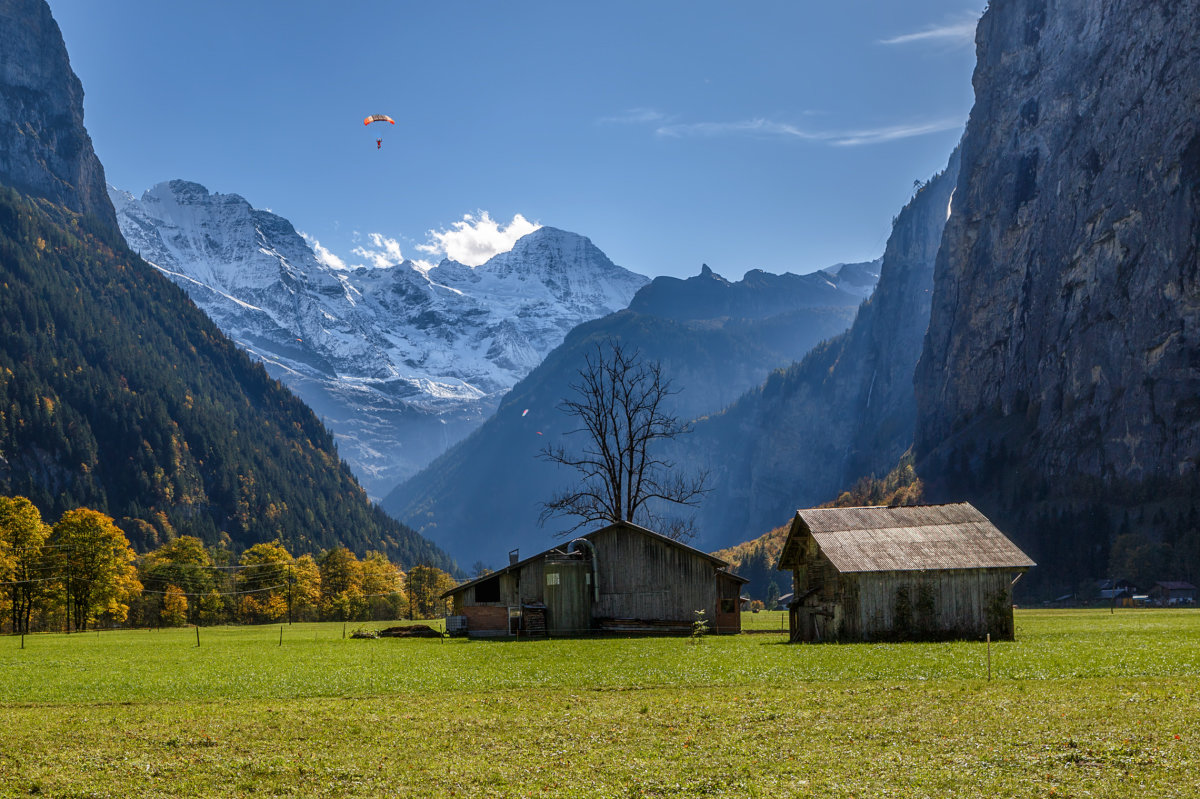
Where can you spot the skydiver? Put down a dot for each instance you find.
(379, 144)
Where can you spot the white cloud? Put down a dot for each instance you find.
(893, 132)
(382, 252)
(959, 33)
(324, 256)
(769, 128)
(475, 239)
(750, 127)
(635, 116)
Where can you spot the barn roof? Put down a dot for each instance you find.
(908, 538)
(561, 549)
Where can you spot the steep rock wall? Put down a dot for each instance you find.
(44, 149)
(1066, 290)
(1062, 361)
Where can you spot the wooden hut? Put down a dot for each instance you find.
(918, 572)
(621, 578)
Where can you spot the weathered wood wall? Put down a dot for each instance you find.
(958, 603)
(642, 577)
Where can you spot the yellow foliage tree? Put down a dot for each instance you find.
(174, 607)
(341, 584)
(381, 586)
(305, 584)
(95, 563)
(426, 584)
(22, 557)
(262, 582)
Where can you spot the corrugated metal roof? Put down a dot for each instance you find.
(909, 538)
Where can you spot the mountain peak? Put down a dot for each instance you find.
(423, 354)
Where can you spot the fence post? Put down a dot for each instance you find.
(197, 635)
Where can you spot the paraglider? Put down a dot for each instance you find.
(378, 118)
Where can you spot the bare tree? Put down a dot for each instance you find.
(619, 403)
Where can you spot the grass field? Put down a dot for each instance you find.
(1083, 704)
(773, 620)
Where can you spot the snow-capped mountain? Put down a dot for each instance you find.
(400, 362)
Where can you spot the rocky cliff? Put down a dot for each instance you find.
(44, 149)
(1060, 377)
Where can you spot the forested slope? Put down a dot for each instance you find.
(117, 393)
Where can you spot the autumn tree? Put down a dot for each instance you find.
(211, 608)
(381, 586)
(95, 566)
(174, 607)
(341, 584)
(262, 582)
(184, 563)
(23, 535)
(304, 588)
(619, 403)
(426, 584)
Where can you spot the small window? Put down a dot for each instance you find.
(728, 605)
(488, 590)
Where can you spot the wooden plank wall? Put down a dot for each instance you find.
(968, 603)
(645, 578)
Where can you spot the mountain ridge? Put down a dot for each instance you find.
(400, 361)
(709, 361)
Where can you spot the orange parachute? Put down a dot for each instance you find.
(378, 118)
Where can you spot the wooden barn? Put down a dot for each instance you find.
(621, 578)
(897, 573)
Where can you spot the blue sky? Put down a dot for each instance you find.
(774, 135)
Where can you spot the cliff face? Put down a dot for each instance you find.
(847, 410)
(1064, 335)
(1066, 290)
(44, 149)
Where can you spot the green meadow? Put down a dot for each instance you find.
(1082, 704)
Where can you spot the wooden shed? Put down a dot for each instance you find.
(898, 573)
(621, 578)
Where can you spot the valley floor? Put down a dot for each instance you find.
(1083, 703)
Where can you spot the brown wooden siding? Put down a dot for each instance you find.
(644, 578)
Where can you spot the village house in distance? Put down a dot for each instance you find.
(899, 573)
(621, 578)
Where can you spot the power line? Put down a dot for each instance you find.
(217, 593)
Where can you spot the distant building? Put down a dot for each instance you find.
(918, 572)
(621, 578)
(1173, 592)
